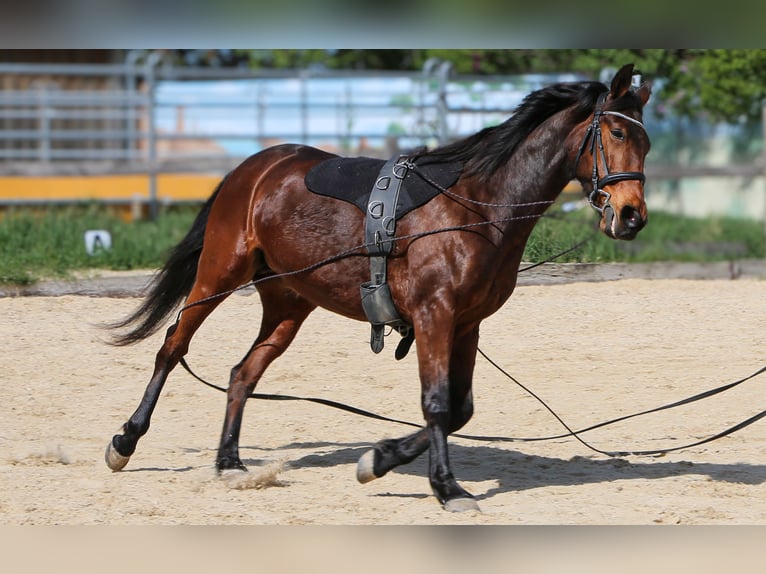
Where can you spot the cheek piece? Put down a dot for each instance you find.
(593, 136)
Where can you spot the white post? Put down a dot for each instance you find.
(763, 167)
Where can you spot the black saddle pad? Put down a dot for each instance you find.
(351, 179)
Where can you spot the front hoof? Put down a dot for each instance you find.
(229, 466)
(461, 505)
(365, 466)
(114, 460)
(232, 473)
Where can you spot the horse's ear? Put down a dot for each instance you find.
(621, 82)
(644, 92)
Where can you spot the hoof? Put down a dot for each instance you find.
(364, 472)
(114, 460)
(229, 466)
(461, 505)
(232, 473)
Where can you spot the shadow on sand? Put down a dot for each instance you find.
(516, 471)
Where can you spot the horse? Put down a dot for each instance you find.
(454, 260)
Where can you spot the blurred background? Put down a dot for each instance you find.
(144, 132)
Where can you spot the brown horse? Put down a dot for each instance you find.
(455, 259)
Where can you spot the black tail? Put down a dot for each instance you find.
(170, 286)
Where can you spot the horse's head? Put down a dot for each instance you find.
(610, 161)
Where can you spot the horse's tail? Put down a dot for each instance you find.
(170, 286)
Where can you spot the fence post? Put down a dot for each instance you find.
(763, 167)
(151, 61)
(131, 106)
(442, 70)
(445, 69)
(44, 123)
(304, 107)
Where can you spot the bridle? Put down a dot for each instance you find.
(593, 134)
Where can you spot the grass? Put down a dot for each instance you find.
(42, 243)
(666, 237)
(35, 244)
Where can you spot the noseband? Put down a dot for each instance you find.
(593, 134)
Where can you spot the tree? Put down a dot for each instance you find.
(726, 85)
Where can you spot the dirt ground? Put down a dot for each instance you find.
(593, 351)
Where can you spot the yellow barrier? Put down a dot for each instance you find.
(114, 188)
(128, 192)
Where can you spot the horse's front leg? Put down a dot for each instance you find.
(435, 349)
(390, 453)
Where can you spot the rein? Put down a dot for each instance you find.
(655, 452)
(570, 433)
(363, 246)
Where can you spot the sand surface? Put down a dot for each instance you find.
(593, 351)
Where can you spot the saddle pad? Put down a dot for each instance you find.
(351, 179)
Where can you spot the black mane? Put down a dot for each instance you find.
(489, 149)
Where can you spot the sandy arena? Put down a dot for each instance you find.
(592, 350)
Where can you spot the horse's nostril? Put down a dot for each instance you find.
(631, 217)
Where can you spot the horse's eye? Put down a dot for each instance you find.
(618, 134)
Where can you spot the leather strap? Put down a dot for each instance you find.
(380, 220)
(379, 231)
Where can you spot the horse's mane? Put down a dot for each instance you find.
(486, 151)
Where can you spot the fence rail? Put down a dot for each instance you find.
(152, 119)
(129, 115)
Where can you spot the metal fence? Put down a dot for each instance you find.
(138, 115)
(151, 118)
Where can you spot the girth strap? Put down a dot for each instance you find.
(379, 230)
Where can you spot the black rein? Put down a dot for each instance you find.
(576, 434)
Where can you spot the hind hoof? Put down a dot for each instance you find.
(114, 460)
(364, 468)
(461, 505)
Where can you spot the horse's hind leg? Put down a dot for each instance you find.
(283, 314)
(175, 346)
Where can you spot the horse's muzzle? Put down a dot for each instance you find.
(623, 225)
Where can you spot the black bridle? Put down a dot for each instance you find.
(593, 135)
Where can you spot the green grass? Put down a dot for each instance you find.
(666, 237)
(50, 243)
(35, 244)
